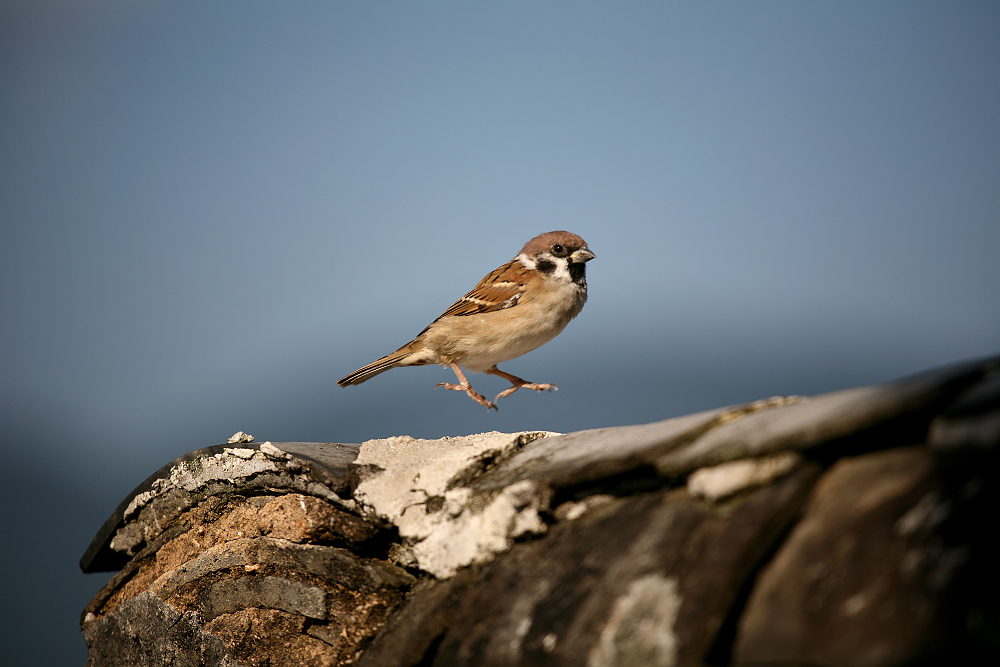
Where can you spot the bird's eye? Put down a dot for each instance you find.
(558, 249)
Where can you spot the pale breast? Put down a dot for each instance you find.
(480, 341)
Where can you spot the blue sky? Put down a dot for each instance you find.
(213, 211)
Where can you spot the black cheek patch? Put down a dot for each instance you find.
(545, 266)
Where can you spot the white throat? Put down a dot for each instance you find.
(560, 273)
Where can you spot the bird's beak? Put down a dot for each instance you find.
(582, 255)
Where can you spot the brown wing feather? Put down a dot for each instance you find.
(492, 292)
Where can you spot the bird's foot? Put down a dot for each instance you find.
(472, 393)
(527, 385)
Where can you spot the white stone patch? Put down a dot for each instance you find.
(273, 452)
(241, 452)
(727, 479)
(640, 628)
(447, 528)
(572, 510)
(230, 464)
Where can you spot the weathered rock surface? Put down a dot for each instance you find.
(853, 528)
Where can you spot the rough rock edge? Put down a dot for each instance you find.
(444, 525)
(188, 482)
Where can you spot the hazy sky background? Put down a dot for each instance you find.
(213, 211)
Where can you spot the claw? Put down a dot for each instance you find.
(517, 383)
(467, 388)
(526, 385)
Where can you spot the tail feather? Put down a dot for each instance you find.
(397, 358)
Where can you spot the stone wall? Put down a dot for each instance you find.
(852, 528)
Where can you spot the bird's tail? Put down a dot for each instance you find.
(397, 358)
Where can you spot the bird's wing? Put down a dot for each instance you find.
(501, 288)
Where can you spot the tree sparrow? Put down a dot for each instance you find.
(518, 307)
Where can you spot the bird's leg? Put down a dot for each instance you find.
(518, 383)
(465, 386)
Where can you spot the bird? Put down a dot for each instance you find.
(514, 309)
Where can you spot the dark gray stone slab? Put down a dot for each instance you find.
(146, 632)
(677, 447)
(973, 420)
(888, 565)
(412, 634)
(907, 405)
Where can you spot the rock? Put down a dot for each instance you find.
(320, 469)
(255, 574)
(419, 489)
(844, 529)
(864, 577)
(726, 479)
(573, 597)
(413, 634)
(971, 421)
(150, 633)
